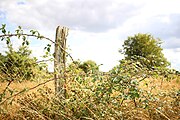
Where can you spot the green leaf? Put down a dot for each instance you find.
(18, 36)
(8, 40)
(17, 31)
(48, 45)
(48, 49)
(19, 27)
(3, 26)
(2, 38)
(24, 38)
(33, 32)
(136, 95)
(27, 42)
(3, 31)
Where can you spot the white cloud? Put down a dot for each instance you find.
(88, 15)
(172, 56)
(100, 47)
(172, 43)
(99, 27)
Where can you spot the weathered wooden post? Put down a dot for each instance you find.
(60, 60)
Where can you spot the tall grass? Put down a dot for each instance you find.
(83, 103)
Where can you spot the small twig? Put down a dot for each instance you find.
(162, 114)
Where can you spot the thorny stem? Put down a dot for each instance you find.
(11, 35)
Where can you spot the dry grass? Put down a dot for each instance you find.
(26, 84)
(11, 109)
(160, 84)
(168, 109)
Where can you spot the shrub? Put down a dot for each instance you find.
(18, 65)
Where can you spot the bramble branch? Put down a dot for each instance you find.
(41, 37)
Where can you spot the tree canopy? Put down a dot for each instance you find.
(18, 64)
(145, 49)
(89, 66)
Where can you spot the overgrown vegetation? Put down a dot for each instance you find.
(18, 65)
(131, 90)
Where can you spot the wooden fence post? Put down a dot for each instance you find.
(60, 60)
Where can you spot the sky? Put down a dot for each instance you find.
(98, 28)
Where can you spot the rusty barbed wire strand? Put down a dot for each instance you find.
(38, 37)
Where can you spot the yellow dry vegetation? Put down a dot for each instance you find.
(159, 85)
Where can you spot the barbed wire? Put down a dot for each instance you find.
(24, 34)
(37, 36)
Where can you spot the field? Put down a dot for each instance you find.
(163, 103)
(141, 87)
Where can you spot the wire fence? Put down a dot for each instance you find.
(76, 93)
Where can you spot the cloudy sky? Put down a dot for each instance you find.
(98, 27)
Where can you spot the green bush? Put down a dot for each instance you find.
(89, 66)
(18, 65)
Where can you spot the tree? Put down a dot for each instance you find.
(89, 66)
(145, 49)
(18, 64)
